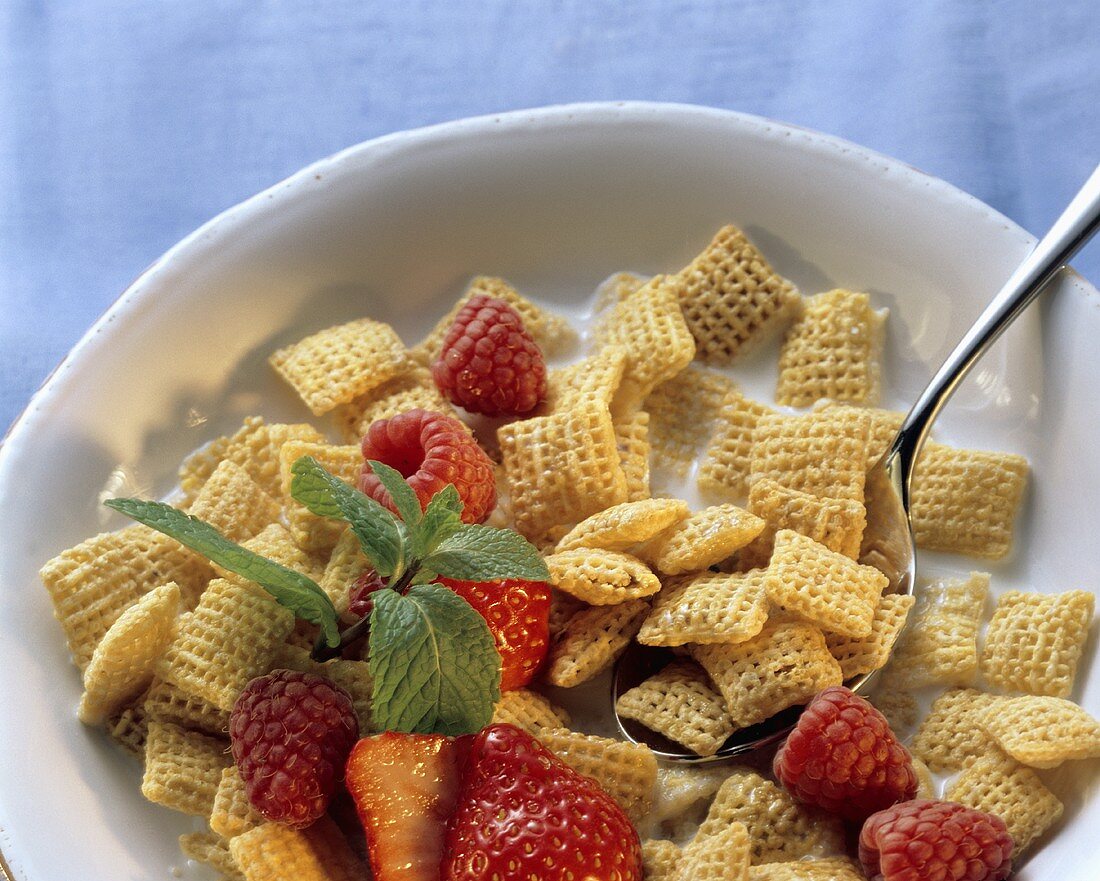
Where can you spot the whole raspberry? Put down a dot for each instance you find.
(919, 840)
(489, 363)
(843, 757)
(291, 734)
(430, 450)
(360, 601)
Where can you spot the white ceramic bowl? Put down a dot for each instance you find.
(554, 200)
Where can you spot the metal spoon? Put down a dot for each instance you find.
(888, 539)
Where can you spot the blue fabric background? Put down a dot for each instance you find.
(126, 123)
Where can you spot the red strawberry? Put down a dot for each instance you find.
(518, 615)
(404, 787)
(524, 814)
(843, 757)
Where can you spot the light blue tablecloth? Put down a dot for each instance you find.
(126, 123)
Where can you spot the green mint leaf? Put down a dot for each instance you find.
(442, 519)
(404, 499)
(378, 531)
(482, 553)
(435, 666)
(289, 588)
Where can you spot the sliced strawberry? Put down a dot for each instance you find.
(522, 813)
(518, 615)
(404, 787)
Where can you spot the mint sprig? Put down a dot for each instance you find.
(404, 499)
(291, 589)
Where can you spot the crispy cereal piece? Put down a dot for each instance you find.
(859, 656)
(562, 468)
(651, 328)
(165, 702)
(550, 331)
(230, 639)
(952, 736)
(885, 425)
(680, 704)
(722, 855)
(632, 442)
(823, 453)
(123, 663)
(601, 578)
(784, 665)
(1042, 732)
(274, 852)
(732, 298)
(232, 813)
(725, 469)
(616, 288)
(926, 784)
(311, 532)
(129, 728)
(92, 584)
(940, 646)
(233, 503)
(337, 365)
(562, 608)
(828, 869)
(702, 539)
(596, 377)
(530, 711)
(966, 501)
(832, 591)
(212, 849)
(591, 641)
(407, 391)
(779, 828)
(622, 526)
(183, 768)
(626, 771)
(1035, 640)
(682, 415)
(1001, 786)
(832, 351)
(706, 608)
(346, 563)
(659, 859)
(899, 707)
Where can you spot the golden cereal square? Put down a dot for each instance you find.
(407, 391)
(998, 785)
(338, 364)
(1042, 732)
(212, 849)
(123, 663)
(827, 869)
(165, 702)
(550, 331)
(871, 652)
(703, 539)
(659, 859)
(601, 578)
(274, 852)
(632, 443)
(722, 855)
(228, 640)
(626, 771)
(679, 703)
(345, 564)
(312, 532)
(732, 298)
(899, 707)
(129, 728)
(596, 377)
(232, 812)
(92, 584)
(724, 471)
(183, 768)
(620, 527)
(829, 589)
(784, 665)
(779, 828)
(822, 453)
(233, 503)
(1035, 641)
(885, 425)
(940, 645)
(710, 607)
(530, 711)
(966, 501)
(832, 351)
(562, 608)
(682, 415)
(591, 640)
(951, 735)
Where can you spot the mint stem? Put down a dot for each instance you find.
(323, 652)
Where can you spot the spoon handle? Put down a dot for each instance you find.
(1078, 223)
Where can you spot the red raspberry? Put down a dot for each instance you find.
(360, 601)
(921, 840)
(291, 734)
(489, 362)
(843, 757)
(430, 450)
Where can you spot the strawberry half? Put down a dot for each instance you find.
(518, 615)
(404, 787)
(523, 813)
